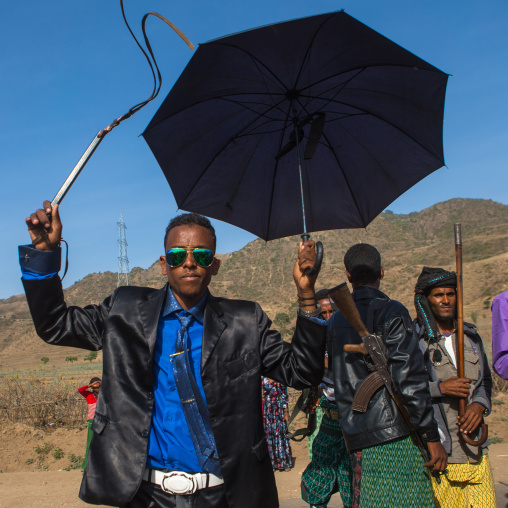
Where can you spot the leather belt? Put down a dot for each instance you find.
(331, 413)
(181, 483)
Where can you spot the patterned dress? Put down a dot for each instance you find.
(275, 401)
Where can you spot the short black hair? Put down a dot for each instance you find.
(363, 262)
(94, 379)
(191, 219)
(323, 294)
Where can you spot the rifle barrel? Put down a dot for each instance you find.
(460, 311)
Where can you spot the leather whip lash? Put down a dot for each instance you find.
(157, 86)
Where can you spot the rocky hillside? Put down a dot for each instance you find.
(262, 271)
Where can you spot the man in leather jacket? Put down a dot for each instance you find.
(179, 420)
(388, 469)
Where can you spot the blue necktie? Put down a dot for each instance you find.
(194, 407)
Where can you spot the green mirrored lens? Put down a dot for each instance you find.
(203, 257)
(175, 257)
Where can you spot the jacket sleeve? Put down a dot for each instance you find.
(56, 323)
(82, 391)
(408, 374)
(298, 364)
(483, 392)
(500, 335)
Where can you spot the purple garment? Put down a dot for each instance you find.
(500, 334)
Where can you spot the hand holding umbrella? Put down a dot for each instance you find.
(305, 280)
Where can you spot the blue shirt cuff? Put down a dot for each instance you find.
(318, 320)
(39, 264)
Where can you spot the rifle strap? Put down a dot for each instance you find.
(311, 419)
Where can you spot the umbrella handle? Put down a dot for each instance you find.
(319, 256)
(483, 436)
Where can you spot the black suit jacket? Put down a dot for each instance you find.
(238, 347)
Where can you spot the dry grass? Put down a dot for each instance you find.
(499, 385)
(49, 397)
(45, 397)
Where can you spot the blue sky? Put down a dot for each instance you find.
(69, 68)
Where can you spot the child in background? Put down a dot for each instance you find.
(90, 392)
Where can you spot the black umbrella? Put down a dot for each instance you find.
(320, 113)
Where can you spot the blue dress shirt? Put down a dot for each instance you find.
(170, 444)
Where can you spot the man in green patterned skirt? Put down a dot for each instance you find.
(387, 467)
(330, 469)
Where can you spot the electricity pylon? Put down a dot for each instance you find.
(123, 260)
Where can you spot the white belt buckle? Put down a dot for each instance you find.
(179, 483)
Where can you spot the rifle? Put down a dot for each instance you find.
(372, 347)
(307, 399)
(460, 336)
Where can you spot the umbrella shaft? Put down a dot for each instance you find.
(301, 178)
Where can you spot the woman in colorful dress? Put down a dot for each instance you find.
(275, 416)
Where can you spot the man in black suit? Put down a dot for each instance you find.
(179, 419)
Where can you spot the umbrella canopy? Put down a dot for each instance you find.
(362, 116)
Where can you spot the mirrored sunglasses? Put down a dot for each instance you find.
(175, 257)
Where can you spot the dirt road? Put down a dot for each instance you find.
(59, 488)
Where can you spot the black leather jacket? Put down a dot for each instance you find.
(238, 348)
(382, 422)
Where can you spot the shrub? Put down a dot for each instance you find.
(44, 360)
(58, 453)
(76, 461)
(91, 356)
(281, 319)
(44, 450)
(71, 359)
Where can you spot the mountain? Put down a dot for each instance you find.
(262, 271)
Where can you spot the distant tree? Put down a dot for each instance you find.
(71, 359)
(281, 319)
(474, 316)
(44, 360)
(91, 356)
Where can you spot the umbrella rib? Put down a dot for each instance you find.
(343, 173)
(243, 104)
(365, 223)
(391, 124)
(218, 152)
(367, 112)
(257, 61)
(361, 69)
(275, 169)
(309, 47)
(339, 87)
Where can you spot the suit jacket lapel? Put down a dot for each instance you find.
(149, 311)
(213, 327)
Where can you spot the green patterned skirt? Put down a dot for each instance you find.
(330, 469)
(391, 475)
